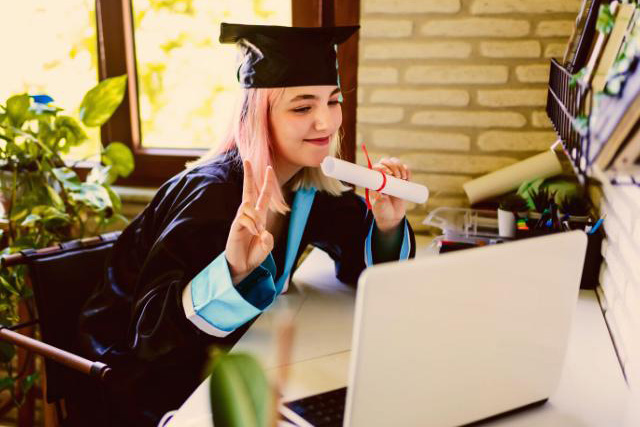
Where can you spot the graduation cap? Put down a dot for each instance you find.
(275, 56)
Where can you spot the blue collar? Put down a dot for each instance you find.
(302, 202)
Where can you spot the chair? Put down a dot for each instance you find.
(63, 277)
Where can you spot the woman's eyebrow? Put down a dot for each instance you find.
(309, 96)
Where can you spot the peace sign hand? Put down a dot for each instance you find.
(249, 242)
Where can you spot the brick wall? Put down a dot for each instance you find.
(619, 289)
(457, 88)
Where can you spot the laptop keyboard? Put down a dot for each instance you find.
(322, 410)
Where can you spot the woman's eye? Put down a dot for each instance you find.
(301, 109)
(334, 102)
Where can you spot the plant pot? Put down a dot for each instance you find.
(506, 223)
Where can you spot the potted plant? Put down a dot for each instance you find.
(240, 393)
(43, 200)
(541, 199)
(508, 210)
(576, 206)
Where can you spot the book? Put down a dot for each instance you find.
(584, 39)
(576, 34)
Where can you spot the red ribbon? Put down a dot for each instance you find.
(384, 178)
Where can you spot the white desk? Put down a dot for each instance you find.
(592, 391)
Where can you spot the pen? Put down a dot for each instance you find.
(597, 225)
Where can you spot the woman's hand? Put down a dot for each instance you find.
(249, 242)
(388, 210)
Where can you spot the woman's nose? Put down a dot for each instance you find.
(322, 119)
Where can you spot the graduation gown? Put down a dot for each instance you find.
(167, 295)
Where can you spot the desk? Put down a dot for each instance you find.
(592, 390)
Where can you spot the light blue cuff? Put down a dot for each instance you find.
(405, 249)
(217, 301)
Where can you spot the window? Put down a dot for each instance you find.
(51, 50)
(186, 80)
(172, 111)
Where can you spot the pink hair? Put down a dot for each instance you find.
(250, 133)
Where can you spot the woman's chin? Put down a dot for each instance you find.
(317, 160)
(315, 157)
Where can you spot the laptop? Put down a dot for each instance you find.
(454, 339)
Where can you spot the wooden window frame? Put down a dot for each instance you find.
(116, 56)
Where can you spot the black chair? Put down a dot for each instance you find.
(63, 277)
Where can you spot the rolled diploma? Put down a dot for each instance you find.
(543, 165)
(372, 179)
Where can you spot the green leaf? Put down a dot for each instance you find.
(67, 177)
(31, 220)
(581, 124)
(119, 157)
(115, 199)
(51, 217)
(100, 174)
(18, 108)
(6, 383)
(7, 351)
(577, 77)
(6, 285)
(100, 102)
(93, 195)
(239, 391)
(55, 197)
(29, 381)
(605, 21)
(69, 129)
(17, 216)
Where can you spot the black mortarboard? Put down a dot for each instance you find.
(275, 56)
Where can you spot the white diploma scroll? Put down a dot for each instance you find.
(372, 179)
(543, 165)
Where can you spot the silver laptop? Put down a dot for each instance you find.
(461, 337)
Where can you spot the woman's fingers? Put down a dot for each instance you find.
(266, 191)
(266, 241)
(398, 169)
(376, 197)
(248, 223)
(248, 185)
(246, 208)
(394, 167)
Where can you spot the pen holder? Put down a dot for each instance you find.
(592, 260)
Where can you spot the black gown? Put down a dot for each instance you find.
(135, 321)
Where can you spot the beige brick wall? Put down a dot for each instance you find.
(457, 88)
(619, 289)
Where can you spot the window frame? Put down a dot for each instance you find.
(116, 56)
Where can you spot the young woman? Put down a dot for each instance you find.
(219, 242)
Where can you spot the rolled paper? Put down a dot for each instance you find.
(507, 179)
(372, 179)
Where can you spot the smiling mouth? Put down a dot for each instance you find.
(318, 141)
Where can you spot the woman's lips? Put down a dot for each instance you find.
(318, 141)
